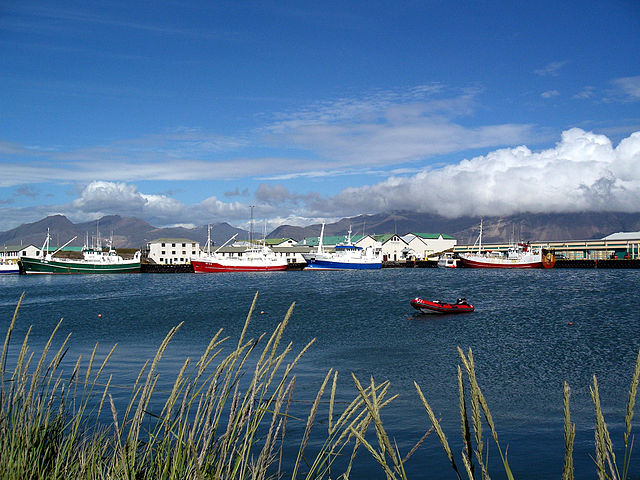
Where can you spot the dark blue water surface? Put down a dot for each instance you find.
(531, 331)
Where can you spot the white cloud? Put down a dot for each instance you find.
(585, 93)
(550, 94)
(390, 129)
(629, 86)
(551, 69)
(582, 172)
(102, 198)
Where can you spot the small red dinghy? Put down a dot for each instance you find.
(427, 306)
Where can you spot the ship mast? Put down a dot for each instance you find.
(320, 239)
(251, 228)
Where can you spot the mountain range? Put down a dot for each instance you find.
(130, 232)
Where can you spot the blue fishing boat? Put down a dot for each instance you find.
(344, 256)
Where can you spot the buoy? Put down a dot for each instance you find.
(261, 312)
(99, 315)
(570, 323)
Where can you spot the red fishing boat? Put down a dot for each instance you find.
(436, 306)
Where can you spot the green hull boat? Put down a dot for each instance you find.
(62, 266)
(94, 260)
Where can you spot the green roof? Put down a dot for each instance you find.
(275, 241)
(433, 236)
(332, 240)
(384, 237)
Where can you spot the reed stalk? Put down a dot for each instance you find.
(569, 436)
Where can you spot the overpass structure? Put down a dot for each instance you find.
(574, 249)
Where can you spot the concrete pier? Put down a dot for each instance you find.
(158, 268)
(597, 263)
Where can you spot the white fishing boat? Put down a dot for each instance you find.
(518, 255)
(8, 266)
(345, 256)
(447, 260)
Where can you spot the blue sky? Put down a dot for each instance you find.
(189, 112)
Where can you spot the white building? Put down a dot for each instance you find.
(12, 253)
(172, 251)
(287, 248)
(392, 246)
(370, 241)
(426, 245)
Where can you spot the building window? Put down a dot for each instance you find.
(163, 245)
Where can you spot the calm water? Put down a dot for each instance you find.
(523, 344)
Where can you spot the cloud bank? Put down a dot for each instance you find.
(582, 172)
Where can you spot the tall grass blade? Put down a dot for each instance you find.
(569, 436)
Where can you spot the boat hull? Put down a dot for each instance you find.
(39, 266)
(203, 266)
(9, 268)
(480, 262)
(439, 308)
(317, 264)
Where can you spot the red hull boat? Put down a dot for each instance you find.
(436, 306)
(208, 265)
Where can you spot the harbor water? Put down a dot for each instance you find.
(531, 331)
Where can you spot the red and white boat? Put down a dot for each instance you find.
(520, 255)
(254, 259)
(436, 306)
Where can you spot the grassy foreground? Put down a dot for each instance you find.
(226, 417)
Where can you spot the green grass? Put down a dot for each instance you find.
(227, 416)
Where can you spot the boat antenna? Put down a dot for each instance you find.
(251, 227)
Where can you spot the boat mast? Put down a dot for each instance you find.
(251, 228)
(320, 239)
(45, 244)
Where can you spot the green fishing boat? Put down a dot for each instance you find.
(94, 260)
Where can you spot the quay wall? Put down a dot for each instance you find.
(159, 268)
(597, 263)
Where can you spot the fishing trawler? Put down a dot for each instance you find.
(345, 256)
(94, 260)
(518, 255)
(257, 258)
